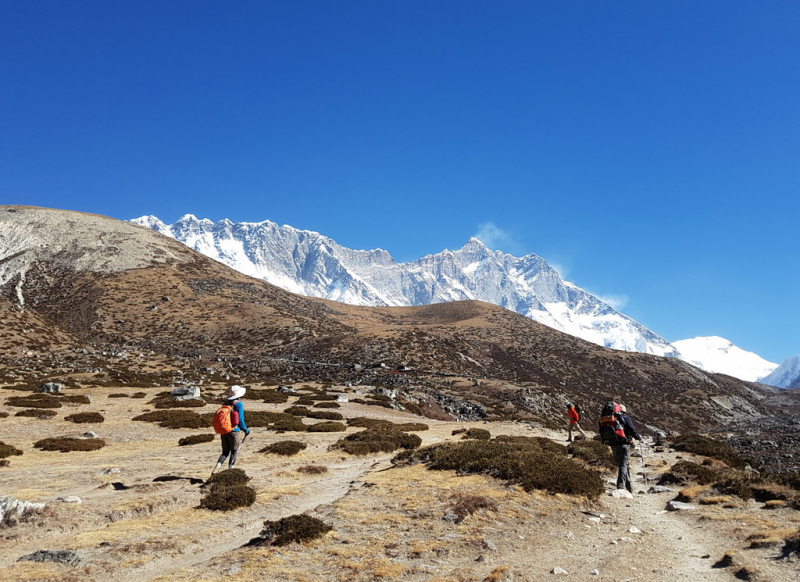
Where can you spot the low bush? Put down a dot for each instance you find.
(303, 401)
(592, 453)
(274, 397)
(312, 469)
(458, 431)
(375, 440)
(379, 397)
(480, 434)
(85, 417)
(8, 450)
(365, 422)
(171, 418)
(3, 414)
(324, 415)
(328, 426)
(708, 447)
(292, 529)
(327, 405)
(358, 401)
(139, 395)
(37, 413)
(34, 401)
(75, 399)
(275, 421)
(196, 439)
(228, 490)
(118, 395)
(67, 444)
(465, 505)
(169, 402)
(516, 462)
(297, 410)
(411, 427)
(285, 448)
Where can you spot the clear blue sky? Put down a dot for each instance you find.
(651, 150)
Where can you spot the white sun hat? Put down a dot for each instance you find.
(235, 392)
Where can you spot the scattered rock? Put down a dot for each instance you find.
(558, 570)
(621, 494)
(13, 506)
(635, 530)
(286, 390)
(450, 517)
(660, 489)
(50, 388)
(70, 499)
(112, 470)
(595, 572)
(678, 506)
(90, 434)
(58, 556)
(342, 398)
(5, 463)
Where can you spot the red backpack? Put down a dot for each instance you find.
(612, 431)
(225, 419)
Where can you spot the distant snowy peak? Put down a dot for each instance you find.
(718, 355)
(787, 375)
(311, 264)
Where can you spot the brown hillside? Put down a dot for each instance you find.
(117, 286)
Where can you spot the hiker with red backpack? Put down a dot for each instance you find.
(229, 424)
(618, 432)
(574, 413)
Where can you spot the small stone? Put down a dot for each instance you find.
(113, 470)
(450, 517)
(621, 494)
(490, 545)
(595, 572)
(480, 558)
(660, 489)
(595, 519)
(342, 398)
(678, 506)
(90, 434)
(70, 499)
(634, 530)
(558, 570)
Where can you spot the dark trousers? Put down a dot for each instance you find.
(621, 456)
(230, 445)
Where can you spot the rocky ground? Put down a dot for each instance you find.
(138, 515)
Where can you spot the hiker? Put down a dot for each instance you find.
(229, 424)
(574, 413)
(622, 451)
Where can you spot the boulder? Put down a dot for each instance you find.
(660, 489)
(70, 499)
(50, 388)
(678, 506)
(13, 506)
(185, 393)
(621, 494)
(286, 390)
(342, 398)
(58, 556)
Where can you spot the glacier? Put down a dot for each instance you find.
(787, 375)
(311, 264)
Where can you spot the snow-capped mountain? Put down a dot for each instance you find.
(311, 264)
(787, 375)
(716, 354)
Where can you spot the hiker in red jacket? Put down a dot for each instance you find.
(574, 418)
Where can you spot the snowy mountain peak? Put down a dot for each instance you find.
(719, 355)
(309, 263)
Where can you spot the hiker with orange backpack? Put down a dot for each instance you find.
(229, 424)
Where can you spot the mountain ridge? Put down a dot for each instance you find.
(312, 264)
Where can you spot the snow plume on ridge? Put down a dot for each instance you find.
(311, 264)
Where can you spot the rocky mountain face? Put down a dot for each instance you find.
(718, 355)
(112, 287)
(314, 265)
(787, 375)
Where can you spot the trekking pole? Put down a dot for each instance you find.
(644, 469)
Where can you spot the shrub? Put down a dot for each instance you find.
(169, 402)
(228, 490)
(67, 444)
(171, 418)
(683, 472)
(274, 420)
(8, 450)
(75, 399)
(275, 397)
(480, 434)
(328, 426)
(139, 395)
(364, 422)
(37, 413)
(119, 395)
(358, 401)
(375, 440)
(708, 447)
(303, 401)
(196, 439)
(34, 401)
(411, 427)
(592, 453)
(458, 431)
(327, 405)
(465, 505)
(85, 417)
(285, 448)
(297, 410)
(521, 463)
(312, 469)
(287, 530)
(324, 415)
(3, 415)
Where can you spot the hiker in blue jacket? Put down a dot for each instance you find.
(232, 440)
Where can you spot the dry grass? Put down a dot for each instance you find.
(771, 537)
(689, 494)
(312, 469)
(714, 500)
(774, 504)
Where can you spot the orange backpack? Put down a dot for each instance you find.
(223, 423)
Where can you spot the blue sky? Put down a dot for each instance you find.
(650, 150)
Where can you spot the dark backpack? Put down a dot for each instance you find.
(579, 411)
(612, 431)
